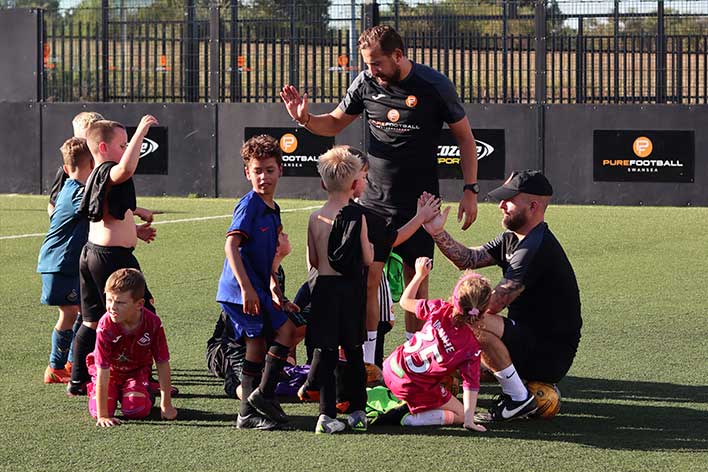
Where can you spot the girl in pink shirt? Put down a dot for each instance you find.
(414, 372)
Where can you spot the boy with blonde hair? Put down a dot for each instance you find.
(338, 247)
(109, 203)
(129, 337)
(80, 124)
(58, 260)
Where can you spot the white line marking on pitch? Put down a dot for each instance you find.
(183, 220)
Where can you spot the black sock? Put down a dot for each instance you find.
(250, 377)
(84, 344)
(328, 382)
(383, 328)
(356, 381)
(275, 360)
(343, 377)
(312, 382)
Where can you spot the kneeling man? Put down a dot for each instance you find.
(540, 336)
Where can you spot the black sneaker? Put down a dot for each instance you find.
(392, 416)
(268, 407)
(507, 409)
(76, 389)
(255, 421)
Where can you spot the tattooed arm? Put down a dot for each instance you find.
(503, 294)
(463, 257)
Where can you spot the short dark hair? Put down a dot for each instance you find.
(382, 36)
(261, 147)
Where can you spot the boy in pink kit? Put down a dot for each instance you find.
(128, 338)
(414, 371)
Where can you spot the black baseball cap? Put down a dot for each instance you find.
(525, 181)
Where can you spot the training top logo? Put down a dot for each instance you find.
(288, 143)
(144, 339)
(642, 147)
(393, 115)
(411, 101)
(147, 147)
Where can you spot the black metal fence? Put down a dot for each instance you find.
(495, 51)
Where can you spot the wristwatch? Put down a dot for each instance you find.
(474, 188)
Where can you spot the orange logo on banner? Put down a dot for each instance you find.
(241, 61)
(642, 146)
(288, 143)
(393, 115)
(343, 60)
(411, 101)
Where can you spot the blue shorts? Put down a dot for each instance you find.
(253, 326)
(60, 290)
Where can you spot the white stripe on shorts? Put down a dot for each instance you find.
(385, 302)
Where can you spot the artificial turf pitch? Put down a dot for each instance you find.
(635, 399)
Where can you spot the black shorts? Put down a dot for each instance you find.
(419, 245)
(535, 359)
(96, 264)
(337, 312)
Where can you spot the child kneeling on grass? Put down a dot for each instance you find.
(128, 338)
(415, 371)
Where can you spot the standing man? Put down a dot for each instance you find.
(406, 105)
(540, 336)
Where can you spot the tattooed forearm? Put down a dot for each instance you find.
(503, 294)
(463, 257)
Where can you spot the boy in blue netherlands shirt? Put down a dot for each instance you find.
(58, 260)
(245, 292)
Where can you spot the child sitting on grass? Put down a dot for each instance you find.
(414, 372)
(128, 338)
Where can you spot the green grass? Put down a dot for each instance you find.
(635, 399)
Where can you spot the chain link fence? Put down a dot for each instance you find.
(495, 51)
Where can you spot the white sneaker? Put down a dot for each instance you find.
(328, 425)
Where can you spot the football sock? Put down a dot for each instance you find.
(74, 329)
(429, 418)
(383, 329)
(511, 383)
(61, 343)
(409, 335)
(328, 382)
(370, 346)
(84, 344)
(312, 376)
(275, 360)
(250, 377)
(357, 379)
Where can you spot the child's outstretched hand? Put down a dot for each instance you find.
(423, 266)
(145, 123)
(428, 206)
(474, 427)
(107, 422)
(168, 413)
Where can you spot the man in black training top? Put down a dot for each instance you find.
(539, 337)
(406, 105)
